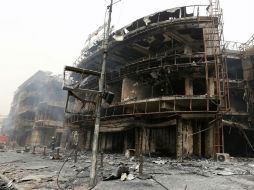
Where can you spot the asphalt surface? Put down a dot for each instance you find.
(35, 171)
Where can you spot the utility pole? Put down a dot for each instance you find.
(99, 100)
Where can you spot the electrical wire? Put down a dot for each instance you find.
(204, 129)
(120, 14)
(247, 139)
(57, 179)
(159, 183)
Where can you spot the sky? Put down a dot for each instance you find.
(48, 34)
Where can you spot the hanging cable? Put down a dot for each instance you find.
(57, 179)
(120, 14)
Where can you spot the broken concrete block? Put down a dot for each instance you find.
(225, 173)
(130, 177)
(251, 165)
(121, 169)
(27, 149)
(36, 167)
(160, 162)
(18, 151)
(123, 176)
(129, 153)
(132, 159)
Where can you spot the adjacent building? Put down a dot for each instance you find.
(37, 111)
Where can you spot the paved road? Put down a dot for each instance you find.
(34, 171)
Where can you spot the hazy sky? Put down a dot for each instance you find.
(48, 34)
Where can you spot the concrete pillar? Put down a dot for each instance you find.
(179, 139)
(125, 143)
(137, 141)
(209, 142)
(187, 137)
(109, 142)
(88, 140)
(57, 155)
(36, 138)
(103, 142)
(211, 86)
(145, 141)
(64, 137)
(152, 141)
(44, 151)
(34, 147)
(188, 86)
(197, 139)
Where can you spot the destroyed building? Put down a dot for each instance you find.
(37, 110)
(239, 121)
(178, 89)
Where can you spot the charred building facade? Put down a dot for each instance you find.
(37, 110)
(239, 121)
(169, 74)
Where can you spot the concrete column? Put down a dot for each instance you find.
(102, 142)
(137, 147)
(88, 140)
(172, 140)
(187, 137)
(209, 142)
(197, 139)
(179, 139)
(152, 141)
(211, 86)
(109, 142)
(44, 151)
(145, 141)
(64, 137)
(188, 86)
(36, 138)
(125, 143)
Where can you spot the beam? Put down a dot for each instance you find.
(79, 89)
(82, 71)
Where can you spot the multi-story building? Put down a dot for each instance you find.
(37, 110)
(179, 89)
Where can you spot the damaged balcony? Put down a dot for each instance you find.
(48, 116)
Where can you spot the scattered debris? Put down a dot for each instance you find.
(35, 178)
(129, 153)
(225, 173)
(160, 162)
(123, 176)
(34, 167)
(19, 151)
(122, 168)
(130, 177)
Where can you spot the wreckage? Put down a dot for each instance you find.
(173, 86)
(179, 89)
